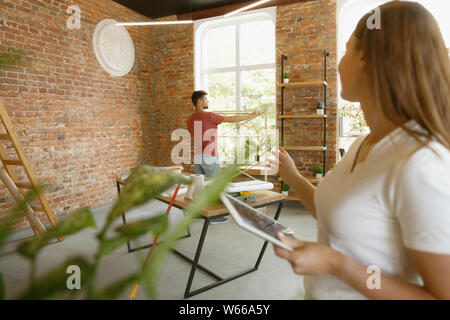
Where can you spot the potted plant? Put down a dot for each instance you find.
(285, 189)
(320, 107)
(319, 172)
(286, 76)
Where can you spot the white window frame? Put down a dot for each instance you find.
(201, 28)
(342, 6)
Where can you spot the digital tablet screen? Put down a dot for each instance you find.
(258, 220)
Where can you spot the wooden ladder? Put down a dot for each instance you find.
(8, 164)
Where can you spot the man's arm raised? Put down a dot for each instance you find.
(253, 115)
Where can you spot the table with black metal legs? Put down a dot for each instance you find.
(264, 198)
(120, 182)
(220, 280)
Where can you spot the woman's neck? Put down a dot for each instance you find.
(379, 125)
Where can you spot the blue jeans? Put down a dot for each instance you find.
(209, 165)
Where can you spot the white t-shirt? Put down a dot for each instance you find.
(373, 217)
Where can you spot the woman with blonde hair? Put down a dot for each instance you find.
(383, 212)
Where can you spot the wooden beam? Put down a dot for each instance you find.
(220, 11)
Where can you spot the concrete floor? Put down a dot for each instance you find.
(228, 249)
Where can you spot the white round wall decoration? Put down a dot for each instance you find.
(113, 48)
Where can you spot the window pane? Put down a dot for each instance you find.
(258, 93)
(221, 47)
(353, 122)
(440, 10)
(257, 43)
(222, 90)
(257, 89)
(222, 94)
(349, 19)
(227, 148)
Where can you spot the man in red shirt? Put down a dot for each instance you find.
(203, 128)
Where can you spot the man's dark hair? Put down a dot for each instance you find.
(198, 95)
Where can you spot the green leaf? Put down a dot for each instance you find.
(144, 184)
(77, 221)
(156, 225)
(210, 196)
(109, 245)
(134, 230)
(114, 290)
(15, 213)
(55, 281)
(70, 225)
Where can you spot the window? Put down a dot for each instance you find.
(235, 64)
(352, 122)
(440, 10)
(350, 11)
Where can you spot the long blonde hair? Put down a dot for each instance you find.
(410, 68)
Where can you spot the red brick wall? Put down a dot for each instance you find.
(172, 86)
(78, 125)
(303, 31)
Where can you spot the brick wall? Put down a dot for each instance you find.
(78, 125)
(172, 86)
(303, 31)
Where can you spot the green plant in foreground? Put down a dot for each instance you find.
(285, 187)
(144, 184)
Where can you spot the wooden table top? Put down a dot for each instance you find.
(263, 197)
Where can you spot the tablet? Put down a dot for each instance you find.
(254, 221)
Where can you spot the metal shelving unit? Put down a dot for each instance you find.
(283, 117)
